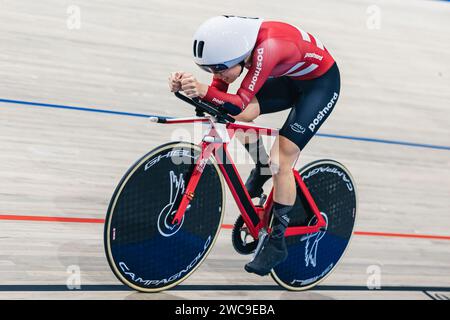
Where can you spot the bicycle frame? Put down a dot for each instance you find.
(215, 143)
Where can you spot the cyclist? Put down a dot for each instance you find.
(288, 68)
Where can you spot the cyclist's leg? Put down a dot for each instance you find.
(314, 106)
(282, 157)
(254, 146)
(275, 95)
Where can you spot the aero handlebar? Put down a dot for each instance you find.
(201, 107)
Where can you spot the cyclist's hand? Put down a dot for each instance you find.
(175, 81)
(192, 88)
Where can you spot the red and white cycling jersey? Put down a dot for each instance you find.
(281, 50)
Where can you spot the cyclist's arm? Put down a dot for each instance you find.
(263, 62)
(219, 84)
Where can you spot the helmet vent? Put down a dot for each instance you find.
(195, 48)
(201, 44)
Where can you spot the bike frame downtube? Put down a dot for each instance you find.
(238, 190)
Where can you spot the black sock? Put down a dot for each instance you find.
(280, 221)
(258, 153)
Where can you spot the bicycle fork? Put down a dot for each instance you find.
(207, 149)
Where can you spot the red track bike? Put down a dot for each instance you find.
(165, 214)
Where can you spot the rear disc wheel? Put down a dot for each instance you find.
(313, 257)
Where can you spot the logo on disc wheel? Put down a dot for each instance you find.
(312, 242)
(165, 226)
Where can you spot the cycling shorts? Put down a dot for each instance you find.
(310, 101)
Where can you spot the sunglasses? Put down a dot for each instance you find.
(214, 68)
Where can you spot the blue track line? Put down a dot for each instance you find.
(57, 106)
(402, 143)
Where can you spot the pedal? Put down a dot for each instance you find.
(262, 235)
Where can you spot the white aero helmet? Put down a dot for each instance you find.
(224, 41)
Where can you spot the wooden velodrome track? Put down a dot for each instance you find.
(59, 165)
